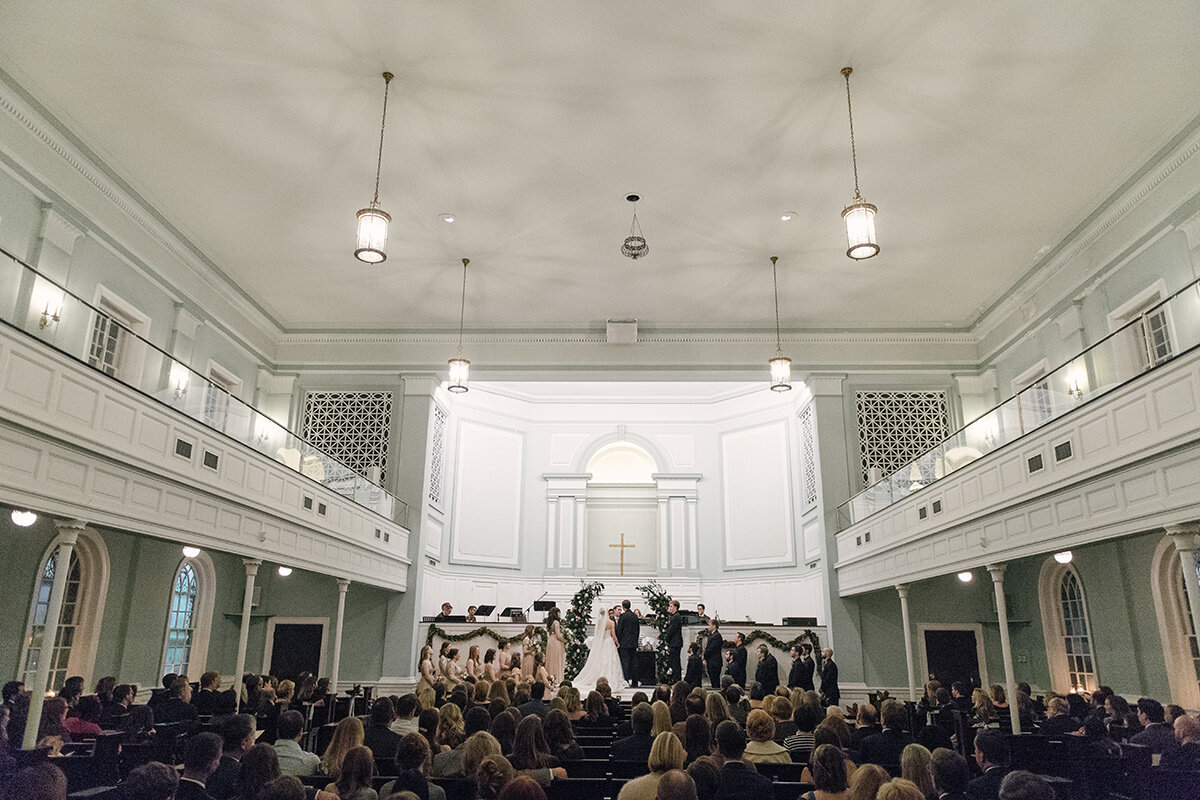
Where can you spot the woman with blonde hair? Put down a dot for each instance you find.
(984, 716)
(451, 728)
(762, 748)
(716, 710)
(494, 773)
(662, 718)
(899, 789)
(570, 696)
(346, 736)
(427, 697)
(427, 669)
(916, 765)
(666, 754)
(865, 782)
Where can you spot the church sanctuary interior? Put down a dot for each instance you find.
(867, 327)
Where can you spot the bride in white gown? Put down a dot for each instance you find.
(603, 661)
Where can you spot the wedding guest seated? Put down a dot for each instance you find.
(285, 787)
(716, 710)
(738, 779)
(450, 763)
(354, 783)
(615, 710)
(781, 712)
(152, 781)
(1187, 754)
(86, 722)
(54, 718)
(160, 695)
(951, 773)
(828, 769)
(237, 737)
(676, 784)
(637, 746)
(412, 759)
(596, 710)
(739, 707)
(1155, 734)
(885, 747)
(1099, 741)
(865, 782)
(916, 765)
(348, 735)
(201, 757)
(177, 706)
(493, 775)
(827, 734)
(504, 729)
(899, 789)
(991, 755)
(1172, 712)
(379, 734)
(293, 760)
(405, 720)
(697, 738)
(1122, 720)
(865, 724)
(762, 747)
(928, 703)
(666, 754)
(1022, 785)
(42, 781)
(530, 750)
(706, 772)
(1058, 722)
(806, 717)
(205, 700)
(536, 704)
(560, 737)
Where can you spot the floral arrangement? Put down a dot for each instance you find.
(577, 624)
(658, 601)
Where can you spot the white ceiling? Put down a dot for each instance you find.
(985, 134)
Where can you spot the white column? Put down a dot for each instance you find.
(343, 586)
(551, 531)
(1184, 537)
(902, 590)
(691, 512)
(997, 573)
(664, 533)
(252, 565)
(581, 528)
(68, 534)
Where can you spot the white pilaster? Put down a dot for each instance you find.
(997, 573)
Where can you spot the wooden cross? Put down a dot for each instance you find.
(622, 547)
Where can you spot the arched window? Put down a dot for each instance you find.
(189, 617)
(1081, 669)
(1065, 628)
(60, 653)
(1175, 628)
(181, 621)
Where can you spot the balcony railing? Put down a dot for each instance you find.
(1155, 336)
(44, 309)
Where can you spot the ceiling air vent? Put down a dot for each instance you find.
(1035, 463)
(1062, 451)
(308, 503)
(183, 448)
(211, 460)
(937, 506)
(922, 512)
(321, 509)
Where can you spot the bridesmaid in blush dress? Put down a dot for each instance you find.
(527, 652)
(556, 652)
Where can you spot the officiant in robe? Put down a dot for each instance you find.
(628, 630)
(712, 653)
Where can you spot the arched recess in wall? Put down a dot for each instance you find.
(198, 621)
(85, 614)
(615, 453)
(1067, 630)
(1175, 624)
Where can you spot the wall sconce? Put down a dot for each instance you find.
(48, 318)
(179, 379)
(1076, 384)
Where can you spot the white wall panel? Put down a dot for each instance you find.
(487, 495)
(758, 497)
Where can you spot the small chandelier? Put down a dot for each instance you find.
(781, 365)
(635, 244)
(859, 215)
(459, 366)
(373, 220)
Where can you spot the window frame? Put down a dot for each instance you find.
(1050, 584)
(202, 614)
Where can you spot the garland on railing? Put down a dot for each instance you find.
(658, 601)
(576, 626)
(539, 636)
(753, 636)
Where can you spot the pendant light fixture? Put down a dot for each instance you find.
(634, 245)
(859, 215)
(781, 365)
(459, 367)
(373, 220)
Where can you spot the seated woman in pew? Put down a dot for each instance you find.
(560, 737)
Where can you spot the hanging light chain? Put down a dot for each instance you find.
(775, 282)
(462, 308)
(850, 113)
(387, 84)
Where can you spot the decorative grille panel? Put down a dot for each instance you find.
(353, 427)
(437, 451)
(896, 427)
(807, 444)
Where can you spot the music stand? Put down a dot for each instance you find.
(484, 611)
(544, 605)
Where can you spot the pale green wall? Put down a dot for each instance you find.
(133, 627)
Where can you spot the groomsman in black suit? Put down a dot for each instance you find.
(737, 664)
(803, 667)
(673, 636)
(712, 653)
(767, 673)
(628, 632)
(829, 679)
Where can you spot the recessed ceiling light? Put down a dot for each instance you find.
(23, 518)
(1064, 557)
(191, 552)
(965, 577)
(285, 571)
(447, 217)
(787, 216)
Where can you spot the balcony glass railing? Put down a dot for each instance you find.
(1153, 337)
(42, 308)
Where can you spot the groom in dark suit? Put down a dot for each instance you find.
(628, 632)
(673, 636)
